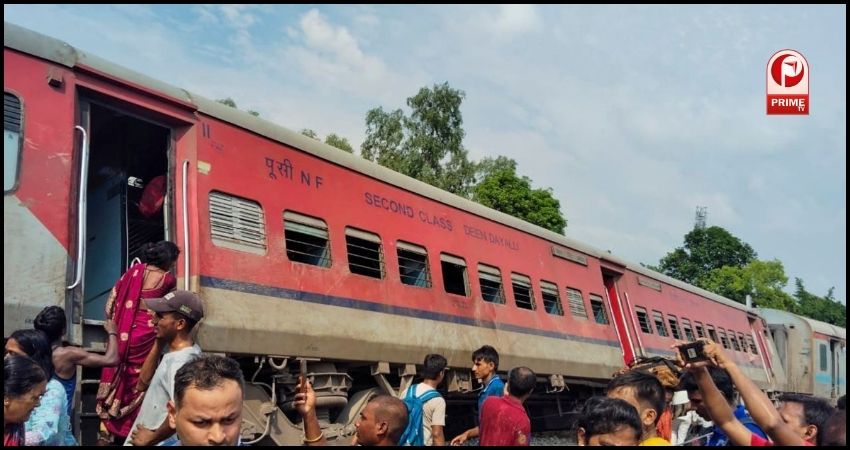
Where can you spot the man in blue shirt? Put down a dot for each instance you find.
(485, 362)
(724, 383)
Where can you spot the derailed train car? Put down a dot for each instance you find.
(304, 252)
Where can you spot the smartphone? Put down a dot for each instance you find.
(693, 352)
(302, 377)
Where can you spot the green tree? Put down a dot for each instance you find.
(764, 281)
(427, 145)
(332, 139)
(706, 249)
(826, 309)
(502, 189)
(339, 142)
(231, 103)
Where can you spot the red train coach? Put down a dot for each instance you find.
(302, 251)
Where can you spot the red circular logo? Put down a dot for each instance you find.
(787, 70)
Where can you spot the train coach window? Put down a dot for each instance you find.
(365, 256)
(523, 295)
(733, 341)
(723, 341)
(824, 360)
(658, 318)
(490, 279)
(306, 239)
(454, 274)
(413, 264)
(12, 113)
(752, 344)
(598, 309)
(674, 327)
(577, 308)
(686, 328)
(551, 299)
(643, 320)
(237, 223)
(711, 333)
(700, 329)
(743, 342)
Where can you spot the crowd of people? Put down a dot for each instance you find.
(158, 388)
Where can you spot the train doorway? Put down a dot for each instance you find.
(128, 157)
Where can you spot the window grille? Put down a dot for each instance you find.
(237, 223)
(598, 308)
(365, 255)
(306, 239)
(551, 299)
(490, 279)
(577, 308)
(686, 328)
(413, 264)
(643, 320)
(674, 327)
(659, 324)
(523, 295)
(700, 329)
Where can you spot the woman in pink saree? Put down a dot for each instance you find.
(122, 388)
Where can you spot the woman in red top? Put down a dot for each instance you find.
(122, 388)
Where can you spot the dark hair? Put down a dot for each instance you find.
(20, 375)
(161, 254)
(190, 322)
(834, 431)
(394, 412)
(648, 390)
(842, 402)
(206, 372)
(521, 381)
(604, 415)
(719, 376)
(51, 320)
(35, 344)
(434, 364)
(487, 354)
(816, 410)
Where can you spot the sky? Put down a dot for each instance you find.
(633, 115)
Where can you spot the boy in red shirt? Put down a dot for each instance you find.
(503, 419)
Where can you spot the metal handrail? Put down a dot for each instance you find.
(81, 210)
(186, 249)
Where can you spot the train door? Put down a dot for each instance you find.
(127, 155)
(838, 352)
(620, 314)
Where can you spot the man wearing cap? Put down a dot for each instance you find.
(175, 316)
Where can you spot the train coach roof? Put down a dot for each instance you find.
(778, 316)
(60, 52)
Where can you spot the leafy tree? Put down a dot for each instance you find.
(231, 103)
(332, 139)
(310, 133)
(706, 249)
(826, 309)
(764, 281)
(501, 189)
(427, 145)
(339, 142)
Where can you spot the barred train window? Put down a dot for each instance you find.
(576, 303)
(659, 323)
(674, 327)
(643, 320)
(306, 239)
(752, 344)
(711, 333)
(413, 264)
(723, 341)
(824, 359)
(12, 114)
(551, 299)
(523, 295)
(365, 256)
(490, 279)
(743, 342)
(454, 274)
(237, 223)
(686, 328)
(598, 309)
(734, 341)
(700, 329)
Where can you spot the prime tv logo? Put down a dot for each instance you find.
(787, 83)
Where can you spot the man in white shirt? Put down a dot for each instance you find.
(175, 316)
(434, 409)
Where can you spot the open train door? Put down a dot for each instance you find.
(620, 311)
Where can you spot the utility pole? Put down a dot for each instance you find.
(702, 214)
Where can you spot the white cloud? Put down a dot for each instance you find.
(516, 19)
